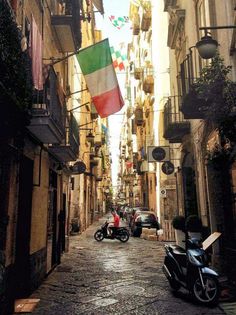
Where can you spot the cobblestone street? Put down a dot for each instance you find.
(112, 278)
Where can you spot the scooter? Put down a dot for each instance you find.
(189, 269)
(120, 233)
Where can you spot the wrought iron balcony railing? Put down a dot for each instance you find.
(47, 113)
(189, 72)
(68, 150)
(67, 26)
(175, 126)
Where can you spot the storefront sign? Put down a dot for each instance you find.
(78, 168)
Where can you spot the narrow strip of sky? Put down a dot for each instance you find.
(116, 36)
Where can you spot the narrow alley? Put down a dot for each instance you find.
(112, 278)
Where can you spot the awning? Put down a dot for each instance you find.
(99, 5)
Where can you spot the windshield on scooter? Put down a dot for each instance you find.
(194, 243)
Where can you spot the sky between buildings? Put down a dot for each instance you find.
(117, 38)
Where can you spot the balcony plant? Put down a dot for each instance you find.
(138, 115)
(178, 224)
(218, 94)
(136, 24)
(138, 73)
(148, 84)
(16, 80)
(220, 155)
(193, 226)
(147, 16)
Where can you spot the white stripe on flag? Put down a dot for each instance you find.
(107, 83)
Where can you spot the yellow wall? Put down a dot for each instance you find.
(40, 204)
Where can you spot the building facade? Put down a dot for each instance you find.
(40, 139)
(193, 118)
(198, 118)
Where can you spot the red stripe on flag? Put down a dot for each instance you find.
(121, 66)
(115, 64)
(109, 102)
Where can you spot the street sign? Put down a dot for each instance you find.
(158, 154)
(168, 168)
(163, 193)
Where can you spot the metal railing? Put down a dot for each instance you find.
(48, 102)
(189, 71)
(172, 112)
(72, 134)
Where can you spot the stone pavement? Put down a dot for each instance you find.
(111, 277)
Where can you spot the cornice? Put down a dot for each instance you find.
(168, 4)
(176, 24)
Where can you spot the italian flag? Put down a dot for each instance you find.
(97, 67)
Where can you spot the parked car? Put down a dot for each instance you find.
(144, 219)
(135, 211)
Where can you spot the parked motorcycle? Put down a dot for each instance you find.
(189, 269)
(120, 233)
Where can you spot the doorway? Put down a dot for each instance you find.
(52, 222)
(23, 228)
(189, 186)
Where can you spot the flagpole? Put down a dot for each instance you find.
(75, 53)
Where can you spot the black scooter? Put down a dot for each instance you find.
(120, 233)
(189, 269)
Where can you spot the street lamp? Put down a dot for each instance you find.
(207, 46)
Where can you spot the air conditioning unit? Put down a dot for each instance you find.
(158, 154)
(163, 193)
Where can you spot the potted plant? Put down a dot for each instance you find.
(136, 24)
(147, 16)
(138, 73)
(148, 84)
(193, 226)
(178, 224)
(216, 91)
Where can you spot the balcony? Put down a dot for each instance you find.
(138, 73)
(146, 16)
(136, 24)
(47, 122)
(97, 168)
(94, 113)
(148, 84)
(67, 27)
(138, 113)
(175, 126)
(69, 149)
(191, 106)
(169, 3)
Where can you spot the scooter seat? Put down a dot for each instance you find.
(179, 254)
(177, 249)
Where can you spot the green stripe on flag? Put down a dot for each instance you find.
(94, 57)
(112, 50)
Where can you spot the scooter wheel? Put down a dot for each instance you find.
(209, 295)
(124, 237)
(98, 235)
